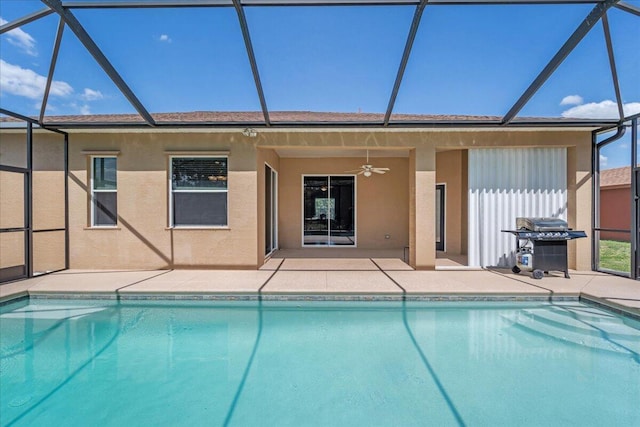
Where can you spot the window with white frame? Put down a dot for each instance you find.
(104, 188)
(198, 191)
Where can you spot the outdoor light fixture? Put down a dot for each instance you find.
(250, 132)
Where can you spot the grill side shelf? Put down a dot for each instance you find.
(547, 235)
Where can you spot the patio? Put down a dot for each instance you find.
(340, 271)
(327, 278)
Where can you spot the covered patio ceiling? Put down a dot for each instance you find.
(276, 66)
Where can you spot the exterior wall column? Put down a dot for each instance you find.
(422, 221)
(580, 204)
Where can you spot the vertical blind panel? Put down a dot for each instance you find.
(509, 183)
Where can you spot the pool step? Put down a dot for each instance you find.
(565, 328)
(586, 313)
(603, 327)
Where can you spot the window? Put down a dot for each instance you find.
(198, 191)
(104, 184)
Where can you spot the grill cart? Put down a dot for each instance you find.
(545, 245)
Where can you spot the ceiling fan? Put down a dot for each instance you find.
(367, 169)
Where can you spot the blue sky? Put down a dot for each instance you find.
(466, 60)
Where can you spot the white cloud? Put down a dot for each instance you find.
(603, 161)
(21, 39)
(25, 82)
(572, 100)
(631, 108)
(165, 38)
(85, 110)
(606, 109)
(91, 95)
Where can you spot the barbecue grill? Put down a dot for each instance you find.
(545, 245)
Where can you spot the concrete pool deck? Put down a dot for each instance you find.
(330, 277)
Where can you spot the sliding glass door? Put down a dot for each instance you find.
(270, 210)
(329, 211)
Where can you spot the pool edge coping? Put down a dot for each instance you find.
(341, 296)
(295, 296)
(605, 303)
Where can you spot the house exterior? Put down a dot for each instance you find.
(615, 203)
(154, 198)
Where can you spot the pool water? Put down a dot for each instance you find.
(272, 363)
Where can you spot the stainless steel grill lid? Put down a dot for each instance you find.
(541, 224)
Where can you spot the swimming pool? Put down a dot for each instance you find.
(316, 363)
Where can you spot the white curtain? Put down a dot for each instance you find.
(506, 183)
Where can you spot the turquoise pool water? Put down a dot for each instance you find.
(107, 363)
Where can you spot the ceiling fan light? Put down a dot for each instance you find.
(367, 173)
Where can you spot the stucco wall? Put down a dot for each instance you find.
(143, 238)
(422, 145)
(382, 201)
(13, 148)
(270, 157)
(12, 206)
(11, 249)
(580, 200)
(449, 171)
(48, 195)
(12, 153)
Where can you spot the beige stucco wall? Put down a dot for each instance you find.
(422, 145)
(48, 251)
(425, 196)
(48, 196)
(450, 171)
(579, 186)
(13, 148)
(48, 181)
(270, 157)
(12, 206)
(381, 200)
(143, 239)
(11, 249)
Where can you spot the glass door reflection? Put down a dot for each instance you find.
(329, 211)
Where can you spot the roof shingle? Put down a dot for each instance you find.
(254, 117)
(615, 177)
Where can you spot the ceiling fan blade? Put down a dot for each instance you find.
(354, 171)
(382, 169)
(376, 170)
